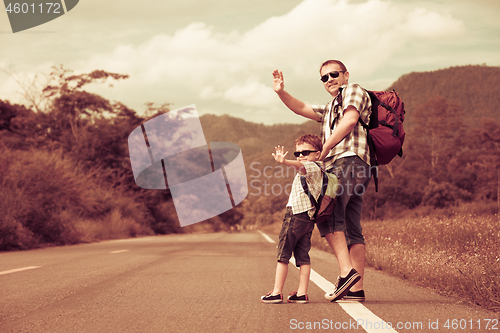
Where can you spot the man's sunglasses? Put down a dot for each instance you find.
(334, 75)
(304, 152)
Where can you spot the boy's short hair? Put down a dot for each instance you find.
(338, 62)
(311, 139)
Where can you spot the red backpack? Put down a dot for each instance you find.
(385, 129)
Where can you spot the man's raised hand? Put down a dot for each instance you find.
(278, 82)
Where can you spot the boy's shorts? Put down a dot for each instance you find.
(295, 236)
(354, 176)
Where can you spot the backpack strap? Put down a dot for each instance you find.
(369, 139)
(339, 103)
(316, 204)
(373, 157)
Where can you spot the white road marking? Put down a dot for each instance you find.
(363, 317)
(19, 270)
(118, 251)
(269, 239)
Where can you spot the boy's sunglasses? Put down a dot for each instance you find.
(304, 152)
(334, 75)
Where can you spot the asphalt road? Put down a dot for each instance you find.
(204, 283)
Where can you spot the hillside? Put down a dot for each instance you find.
(474, 88)
(253, 139)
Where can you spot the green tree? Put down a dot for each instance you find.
(438, 138)
(486, 141)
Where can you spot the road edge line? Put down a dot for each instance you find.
(269, 239)
(19, 270)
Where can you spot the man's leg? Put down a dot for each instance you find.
(357, 256)
(352, 178)
(337, 242)
(344, 168)
(354, 231)
(348, 276)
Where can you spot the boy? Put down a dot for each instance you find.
(297, 227)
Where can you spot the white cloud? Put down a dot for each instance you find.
(198, 64)
(252, 93)
(425, 24)
(315, 29)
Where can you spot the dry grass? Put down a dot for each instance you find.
(456, 255)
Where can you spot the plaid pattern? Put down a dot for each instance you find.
(298, 200)
(355, 142)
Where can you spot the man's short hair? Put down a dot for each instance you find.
(329, 62)
(311, 139)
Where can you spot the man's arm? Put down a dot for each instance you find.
(297, 106)
(345, 126)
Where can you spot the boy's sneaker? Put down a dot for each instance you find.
(293, 298)
(355, 296)
(343, 286)
(273, 299)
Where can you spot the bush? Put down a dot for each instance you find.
(47, 199)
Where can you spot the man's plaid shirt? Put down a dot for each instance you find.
(355, 142)
(298, 200)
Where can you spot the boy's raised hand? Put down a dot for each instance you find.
(280, 154)
(278, 82)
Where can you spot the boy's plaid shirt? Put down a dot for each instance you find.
(355, 95)
(298, 200)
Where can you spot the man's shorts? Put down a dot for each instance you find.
(295, 236)
(354, 176)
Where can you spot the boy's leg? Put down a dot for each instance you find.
(279, 282)
(305, 272)
(284, 252)
(303, 227)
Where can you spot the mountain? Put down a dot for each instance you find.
(254, 139)
(474, 88)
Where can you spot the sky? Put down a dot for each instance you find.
(219, 55)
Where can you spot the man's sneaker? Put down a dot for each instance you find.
(343, 286)
(293, 298)
(270, 298)
(355, 296)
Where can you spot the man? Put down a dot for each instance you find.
(346, 153)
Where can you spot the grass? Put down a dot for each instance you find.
(455, 254)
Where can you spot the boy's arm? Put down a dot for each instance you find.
(297, 106)
(280, 155)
